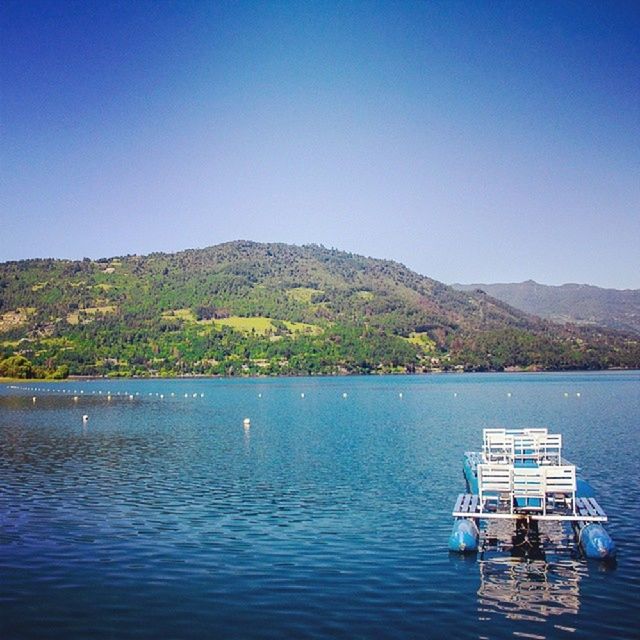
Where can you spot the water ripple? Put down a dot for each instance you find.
(326, 518)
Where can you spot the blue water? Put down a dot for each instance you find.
(328, 517)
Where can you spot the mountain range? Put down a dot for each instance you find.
(581, 304)
(243, 308)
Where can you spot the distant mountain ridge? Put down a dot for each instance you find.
(582, 304)
(243, 308)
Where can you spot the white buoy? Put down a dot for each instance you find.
(172, 394)
(130, 397)
(344, 395)
(186, 395)
(508, 394)
(75, 398)
(578, 394)
(455, 395)
(195, 395)
(162, 396)
(246, 422)
(400, 395)
(259, 395)
(302, 395)
(109, 397)
(34, 399)
(202, 395)
(85, 418)
(566, 395)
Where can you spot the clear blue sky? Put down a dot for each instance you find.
(472, 141)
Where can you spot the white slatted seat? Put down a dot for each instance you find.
(560, 483)
(526, 448)
(528, 488)
(494, 484)
(498, 447)
(527, 431)
(551, 449)
(536, 431)
(487, 435)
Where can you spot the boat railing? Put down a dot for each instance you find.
(521, 446)
(526, 488)
(495, 484)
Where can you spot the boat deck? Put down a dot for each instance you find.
(587, 510)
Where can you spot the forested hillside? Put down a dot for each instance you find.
(249, 308)
(579, 303)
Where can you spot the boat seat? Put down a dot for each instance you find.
(494, 484)
(528, 488)
(560, 484)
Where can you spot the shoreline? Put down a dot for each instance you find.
(326, 375)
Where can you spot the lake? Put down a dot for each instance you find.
(163, 515)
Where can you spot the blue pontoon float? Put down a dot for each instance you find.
(520, 475)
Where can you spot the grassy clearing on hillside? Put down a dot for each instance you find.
(263, 325)
(12, 319)
(303, 327)
(422, 340)
(182, 314)
(247, 325)
(303, 294)
(74, 318)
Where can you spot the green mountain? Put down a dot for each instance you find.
(578, 303)
(249, 308)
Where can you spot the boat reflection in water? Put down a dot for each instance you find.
(529, 574)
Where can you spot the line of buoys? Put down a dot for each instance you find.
(77, 393)
(131, 396)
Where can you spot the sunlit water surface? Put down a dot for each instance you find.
(327, 517)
